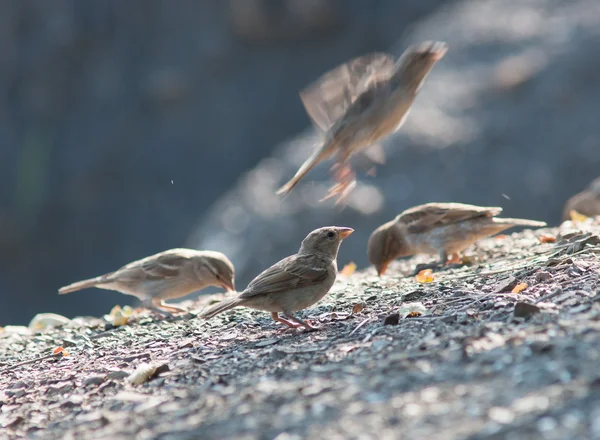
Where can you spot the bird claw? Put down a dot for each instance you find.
(285, 329)
(285, 321)
(311, 328)
(293, 322)
(346, 182)
(307, 326)
(161, 306)
(293, 328)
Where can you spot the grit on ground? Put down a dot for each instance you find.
(476, 358)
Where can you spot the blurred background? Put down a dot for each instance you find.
(127, 128)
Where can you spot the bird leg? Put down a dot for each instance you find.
(454, 259)
(347, 190)
(278, 318)
(160, 304)
(154, 306)
(306, 325)
(433, 266)
(346, 181)
(342, 172)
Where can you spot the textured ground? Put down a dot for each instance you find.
(478, 364)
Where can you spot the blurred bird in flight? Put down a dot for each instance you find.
(358, 104)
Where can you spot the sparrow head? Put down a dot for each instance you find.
(215, 269)
(326, 240)
(416, 62)
(385, 245)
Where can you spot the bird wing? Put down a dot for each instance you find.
(377, 91)
(294, 272)
(157, 267)
(434, 215)
(328, 98)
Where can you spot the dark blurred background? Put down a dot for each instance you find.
(127, 128)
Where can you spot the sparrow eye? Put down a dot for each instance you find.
(331, 234)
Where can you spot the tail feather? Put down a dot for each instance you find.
(308, 165)
(80, 285)
(221, 307)
(520, 222)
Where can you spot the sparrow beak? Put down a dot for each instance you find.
(381, 268)
(345, 232)
(228, 286)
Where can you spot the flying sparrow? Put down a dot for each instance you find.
(170, 274)
(294, 283)
(587, 202)
(361, 102)
(438, 229)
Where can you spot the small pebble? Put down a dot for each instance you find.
(525, 310)
(392, 319)
(93, 380)
(501, 415)
(542, 277)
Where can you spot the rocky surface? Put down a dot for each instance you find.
(507, 118)
(481, 361)
(122, 122)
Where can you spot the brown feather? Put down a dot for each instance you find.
(293, 272)
(328, 98)
(426, 217)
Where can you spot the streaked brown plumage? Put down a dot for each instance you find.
(587, 202)
(436, 228)
(170, 274)
(361, 102)
(294, 283)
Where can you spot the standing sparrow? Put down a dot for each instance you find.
(294, 283)
(169, 274)
(586, 202)
(360, 102)
(436, 228)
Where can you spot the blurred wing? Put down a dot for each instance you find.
(328, 98)
(290, 273)
(433, 215)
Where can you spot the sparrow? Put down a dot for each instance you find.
(294, 283)
(170, 274)
(586, 203)
(436, 228)
(359, 103)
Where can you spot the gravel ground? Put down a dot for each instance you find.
(480, 362)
